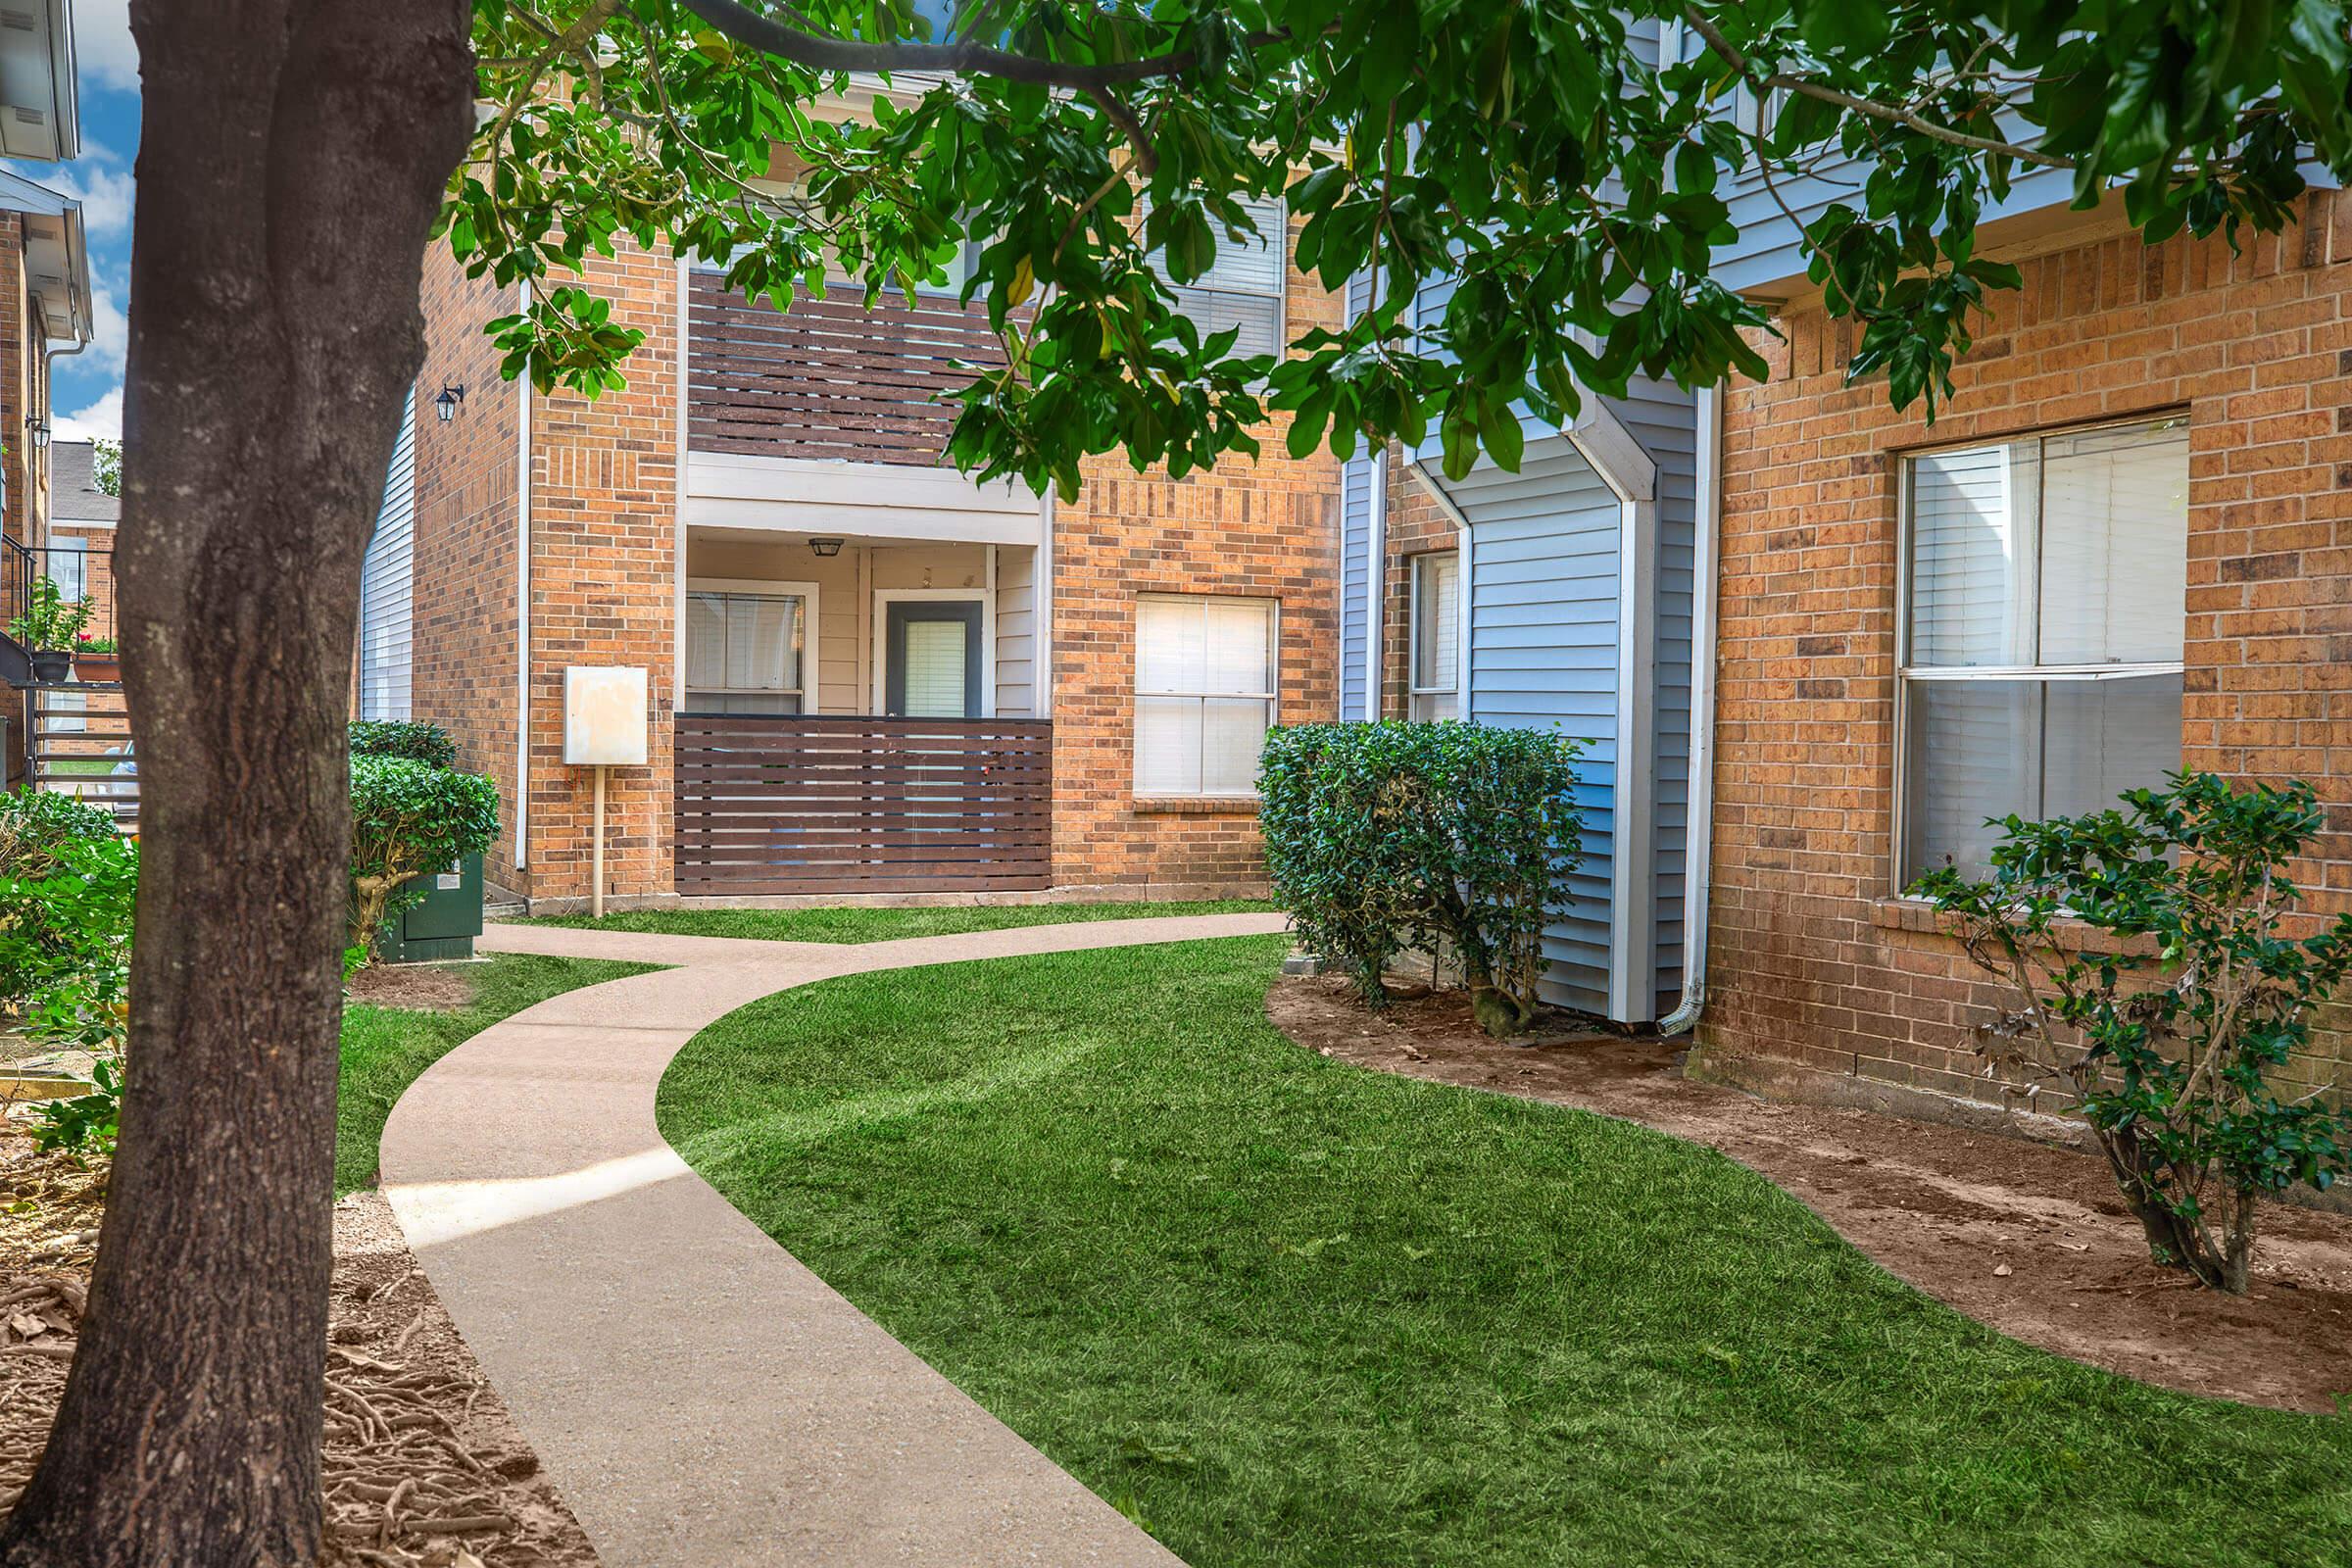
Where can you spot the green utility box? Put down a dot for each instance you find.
(444, 925)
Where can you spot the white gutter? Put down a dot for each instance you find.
(1699, 829)
(522, 609)
(1625, 466)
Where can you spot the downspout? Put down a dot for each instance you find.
(522, 611)
(1699, 832)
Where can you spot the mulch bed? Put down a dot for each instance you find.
(418, 987)
(424, 1467)
(2023, 1236)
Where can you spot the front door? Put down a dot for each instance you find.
(931, 665)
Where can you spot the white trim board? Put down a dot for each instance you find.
(865, 500)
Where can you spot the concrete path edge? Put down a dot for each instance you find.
(701, 1399)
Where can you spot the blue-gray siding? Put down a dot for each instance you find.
(1543, 628)
(1360, 481)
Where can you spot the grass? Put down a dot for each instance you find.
(1288, 1312)
(867, 923)
(385, 1049)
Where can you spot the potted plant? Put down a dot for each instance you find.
(94, 659)
(47, 629)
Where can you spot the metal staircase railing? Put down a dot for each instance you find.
(78, 742)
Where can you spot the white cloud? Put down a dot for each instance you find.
(103, 418)
(110, 330)
(106, 194)
(103, 45)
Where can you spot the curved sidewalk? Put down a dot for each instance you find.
(701, 1399)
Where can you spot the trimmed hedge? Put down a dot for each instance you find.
(1448, 836)
(419, 742)
(407, 819)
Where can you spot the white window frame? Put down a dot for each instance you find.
(1907, 675)
(1415, 565)
(1271, 698)
(884, 598)
(811, 662)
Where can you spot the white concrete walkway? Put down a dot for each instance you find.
(701, 1399)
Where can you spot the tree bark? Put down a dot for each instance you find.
(290, 165)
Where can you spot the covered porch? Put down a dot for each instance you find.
(860, 712)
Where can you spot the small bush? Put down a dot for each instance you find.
(408, 818)
(36, 828)
(419, 742)
(2169, 1055)
(65, 953)
(1448, 836)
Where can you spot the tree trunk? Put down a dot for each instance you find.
(291, 159)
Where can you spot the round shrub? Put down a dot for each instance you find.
(1448, 836)
(33, 823)
(400, 737)
(409, 819)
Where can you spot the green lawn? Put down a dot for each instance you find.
(384, 1048)
(872, 924)
(1286, 1311)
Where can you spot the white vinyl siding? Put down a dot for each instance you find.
(389, 586)
(2046, 587)
(1205, 684)
(1436, 627)
(1242, 287)
(746, 652)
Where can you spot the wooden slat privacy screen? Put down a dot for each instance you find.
(813, 804)
(830, 378)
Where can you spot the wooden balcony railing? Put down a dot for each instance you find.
(829, 378)
(820, 805)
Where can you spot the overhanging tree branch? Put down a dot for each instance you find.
(1806, 88)
(967, 59)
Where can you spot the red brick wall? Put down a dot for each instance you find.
(19, 395)
(1263, 530)
(604, 564)
(1812, 963)
(465, 547)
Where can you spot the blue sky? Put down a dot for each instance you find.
(88, 396)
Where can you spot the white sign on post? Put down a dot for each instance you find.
(603, 726)
(604, 717)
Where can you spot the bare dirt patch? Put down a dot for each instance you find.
(418, 987)
(424, 1467)
(2024, 1237)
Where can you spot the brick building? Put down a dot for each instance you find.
(867, 673)
(2125, 546)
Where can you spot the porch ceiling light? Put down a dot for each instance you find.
(826, 549)
(446, 404)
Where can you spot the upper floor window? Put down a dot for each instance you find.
(1436, 635)
(1204, 686)
(1243, 288)
(2046, 586)
(747, 647)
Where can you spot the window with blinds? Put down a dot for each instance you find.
(2046, 586)
(1436, 635)
(746, 652)
(1243, 288)
(1204, 686)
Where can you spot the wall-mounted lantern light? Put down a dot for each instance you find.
(35, 432)
(446, 404)
(826, 549)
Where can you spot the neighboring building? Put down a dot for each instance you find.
(2123, 547)
(868, 673)
(44, 314)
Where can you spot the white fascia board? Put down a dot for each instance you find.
(869, 500)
